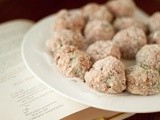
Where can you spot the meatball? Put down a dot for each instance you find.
(64, 37)
(142, 80)
(98, 30)
(101, 14)
(90, 9)
(154, 22)
(154, 38)
(149, 55)
(102, 49)
(125, 22)
(121, 7)
(130, 40)
(73, 62)
(107, 75)
(72, 20)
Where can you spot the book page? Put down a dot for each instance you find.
(22, 97)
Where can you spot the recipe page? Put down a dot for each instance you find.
(22, 97)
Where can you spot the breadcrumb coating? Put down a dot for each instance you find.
(102, 49)
(72, 20)
(98, 30)
(154, 22)
(142, 80)
(107, 75)
(130, 41)
(121, 7)
(64, 37)
(149, 55)
(73, 62)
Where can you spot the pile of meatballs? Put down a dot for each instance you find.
(90, 42)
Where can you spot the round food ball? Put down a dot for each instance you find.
(142, 80)
(73, 62)
(101, 14)
(89, 9)
(130, 40)
(154, 37)
(107, 75)
(98, 30)
(154, 22)
(72, 20)
(64, 37)
(125, 22)
(121, 7)
(149, 55)
(102, 49)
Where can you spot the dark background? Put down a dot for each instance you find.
(37, 9)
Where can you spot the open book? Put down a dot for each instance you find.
(22, 97)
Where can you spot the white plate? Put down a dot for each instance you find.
(36, 59)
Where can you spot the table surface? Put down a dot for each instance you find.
(37, 9)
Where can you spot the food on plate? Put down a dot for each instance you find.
(142, 80)
(87, 43)
(125, 22)
(64, 37)
(154, 37)
(98, 30)
(130, 40)
(73, 62)
(102, 13)
(107, 75)
(149, 55)
(121, 7)
(72, 20)
(154, 22)
(102, 49)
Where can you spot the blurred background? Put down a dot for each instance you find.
(37, 9)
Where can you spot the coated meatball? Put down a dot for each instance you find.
(107, 75)
(73, 62)
(64, 37)
(89, 9)
(121, 7)
(130, 40)
(102, 49)
(154, 37)
(125, 22)
(149, 55)
(154, 22)
(72, 20)
(142, 80)
(98, 30)
(101, 14)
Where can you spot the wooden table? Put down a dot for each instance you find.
(37, 9)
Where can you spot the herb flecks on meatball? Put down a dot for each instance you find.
(107, 75)
(64, 37)
(149, 55)
(73, 62)
(142, 80)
